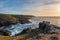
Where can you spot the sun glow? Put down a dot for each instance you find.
(58, 8)
(50, 10)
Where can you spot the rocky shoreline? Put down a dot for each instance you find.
(7, 20)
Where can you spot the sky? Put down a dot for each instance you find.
(30, 7)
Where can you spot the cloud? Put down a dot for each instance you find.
(34, 7)
(38, 6)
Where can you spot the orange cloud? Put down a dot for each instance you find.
(49, 10)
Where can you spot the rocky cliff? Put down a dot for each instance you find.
(6, 19)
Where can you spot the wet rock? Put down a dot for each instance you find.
(5, 33)
(27, 30)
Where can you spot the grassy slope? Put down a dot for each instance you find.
(45, 37)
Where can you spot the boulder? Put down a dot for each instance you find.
(46, 27)
(4, 32)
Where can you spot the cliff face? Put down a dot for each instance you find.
(23, 18)
(12, 19)
(7, 20)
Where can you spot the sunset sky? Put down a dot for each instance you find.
(31, 7)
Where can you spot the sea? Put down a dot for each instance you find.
(18, 28)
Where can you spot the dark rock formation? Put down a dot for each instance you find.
(23, 18)
(4, 33)
(46, 27)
